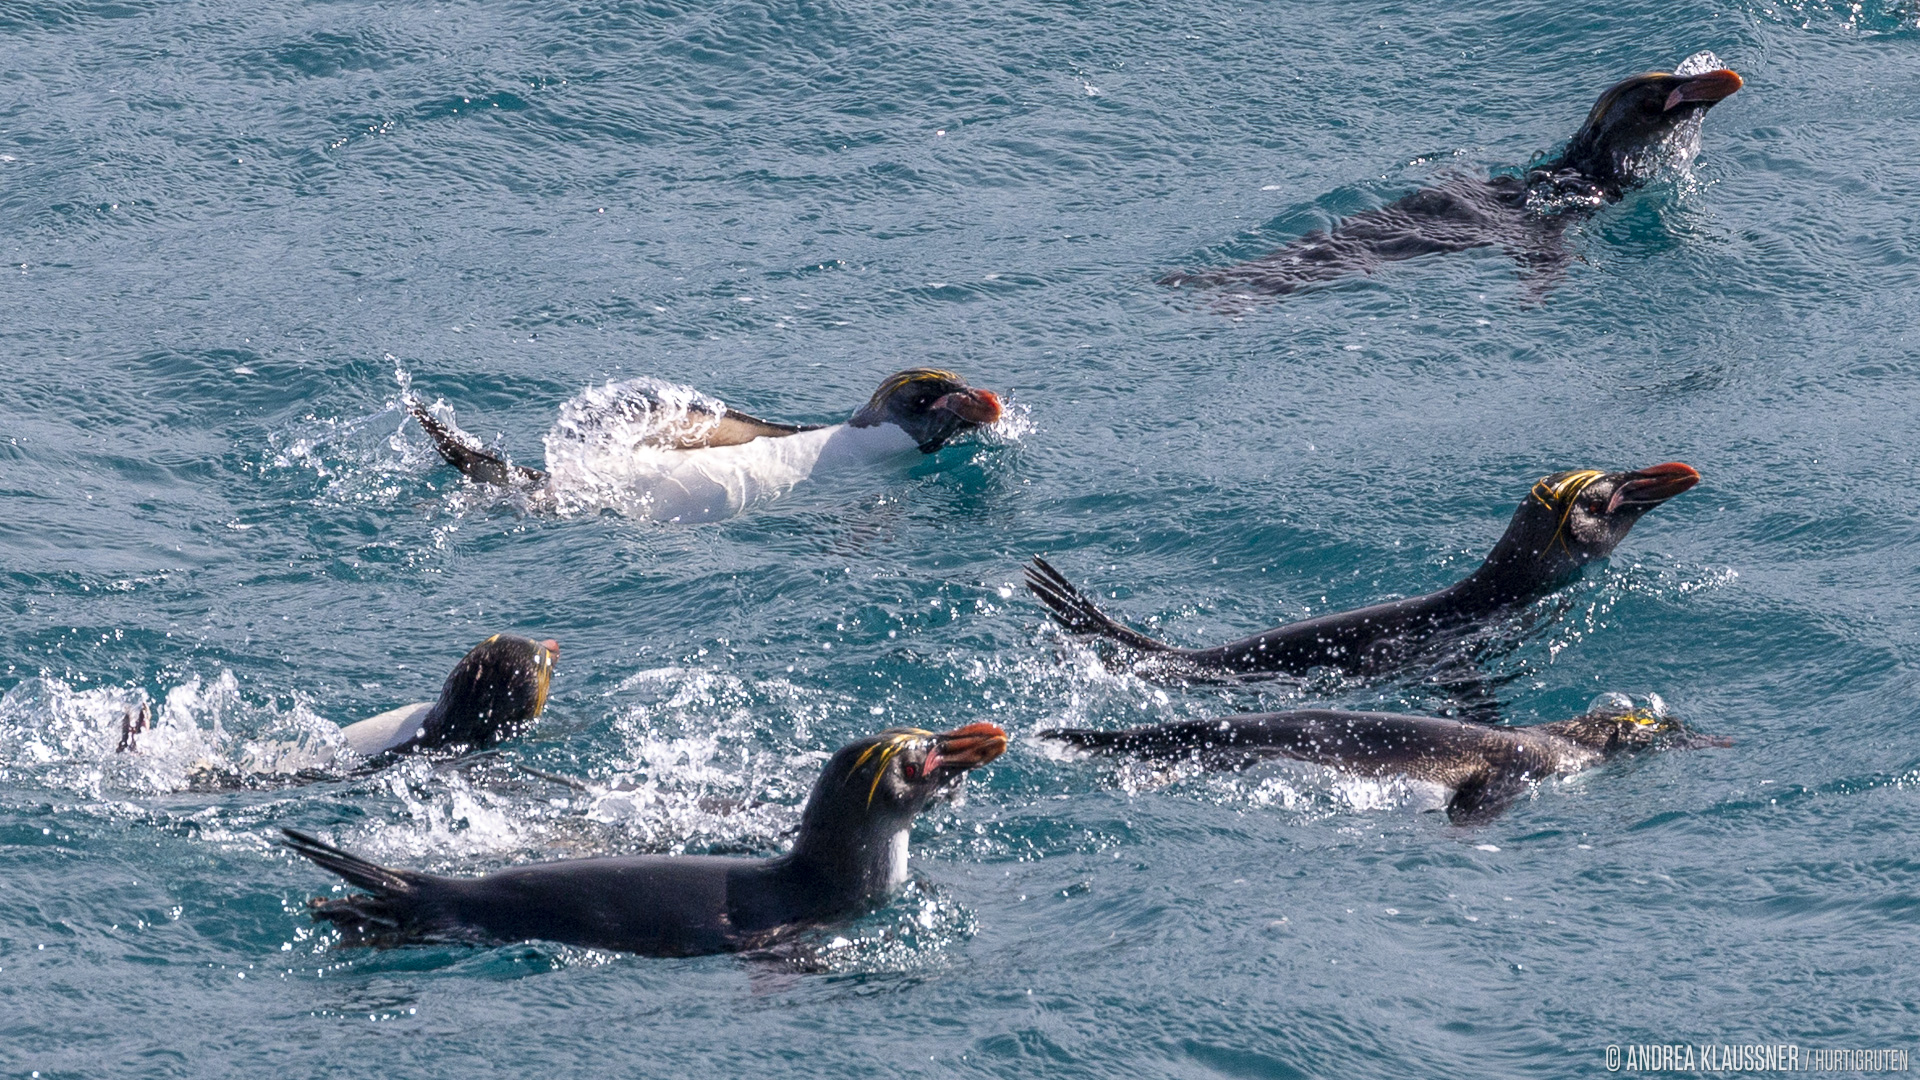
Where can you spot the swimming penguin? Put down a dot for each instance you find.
(490, 694)
(1568, 520)
(660, 451)
(1637, 128)
(849, 856)
(1485, 767)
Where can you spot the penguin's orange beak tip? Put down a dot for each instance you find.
(972, 746)
(1706, 88)
(973, 406)
(553, 648)
(1654, 485)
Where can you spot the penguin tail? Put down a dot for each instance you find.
(465, 453)
(1079, 615)
(389, 916)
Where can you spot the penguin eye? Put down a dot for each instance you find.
(909, 769)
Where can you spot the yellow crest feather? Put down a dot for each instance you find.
(1561, 493)
(888, 747)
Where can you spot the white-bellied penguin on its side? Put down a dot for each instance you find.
(490, 695)
(1566, 521)
(656, 450)
(848, 858)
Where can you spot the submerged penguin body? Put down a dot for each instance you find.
(1483, 767)
(1637, 128)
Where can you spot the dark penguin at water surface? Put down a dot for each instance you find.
(1638, 127)
(849, 857)
(490, 695)
(1566, 521)
(665, 452)
(1484, 767)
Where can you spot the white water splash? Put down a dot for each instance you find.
(69, 738)
(1699, 64)
(686, 770)
(1675, 153)
(360, 459)
(624, 418)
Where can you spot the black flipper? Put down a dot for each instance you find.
(1542, 269)
(464, 452)
(1079, 615)
(1210, 743)
(390, 916)
(132, 723)
(1487, 793)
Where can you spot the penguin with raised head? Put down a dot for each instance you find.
(490, 695)
(848, 857)
(1566, 521)
(1636, 129)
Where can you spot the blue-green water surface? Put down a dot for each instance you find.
(229, 230)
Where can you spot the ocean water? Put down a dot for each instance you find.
(232, 230)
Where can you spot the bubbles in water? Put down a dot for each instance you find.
(357, 463)
(914, 933)
(1014, 425)
(1616, 703)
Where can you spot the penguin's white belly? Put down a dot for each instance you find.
(378, 734)
(716, 482)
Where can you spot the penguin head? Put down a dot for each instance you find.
(931, 406)
(873, 787)
(493, 690)
(1646, 123)
(1572, 518)
(1615, 722)
(1619, 722)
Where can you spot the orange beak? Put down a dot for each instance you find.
(973, 406)
(1706, 88)
(967, 748)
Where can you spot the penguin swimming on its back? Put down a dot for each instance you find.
(1635, 129)
(1485, 767)
(1568, 520)
(658, 451)
(849, 856)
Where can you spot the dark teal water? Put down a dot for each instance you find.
(226, 226)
